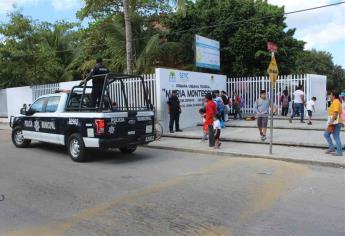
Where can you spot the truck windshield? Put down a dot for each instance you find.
(119, 93)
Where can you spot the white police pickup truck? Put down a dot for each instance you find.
(66, 118)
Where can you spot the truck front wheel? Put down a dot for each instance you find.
(76, 148)
(18, 138)
(128, 150)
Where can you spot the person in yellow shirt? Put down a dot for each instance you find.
(335, 123)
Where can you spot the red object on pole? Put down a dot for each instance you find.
(272, 47)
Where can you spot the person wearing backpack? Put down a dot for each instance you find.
(220, 106)
(226, 103)
(236, 104)
(285, 102)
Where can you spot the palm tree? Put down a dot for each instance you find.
(129, 33)
(129, 36)
(128, 7)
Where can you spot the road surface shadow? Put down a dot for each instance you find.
(113, 156)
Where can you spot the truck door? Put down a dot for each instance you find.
(42, 123)
(50, 123)
(31, 121)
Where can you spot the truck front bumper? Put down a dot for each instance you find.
(118, 142)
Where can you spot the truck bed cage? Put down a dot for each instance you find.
(105, 103)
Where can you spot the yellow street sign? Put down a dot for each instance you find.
(273, 70)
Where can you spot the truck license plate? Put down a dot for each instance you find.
(149, 129)
(150, 139)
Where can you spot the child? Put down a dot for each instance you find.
(262, 107)
(217, 127)
(310, 109)
(204, 126)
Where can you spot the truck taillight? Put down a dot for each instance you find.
(100, 126)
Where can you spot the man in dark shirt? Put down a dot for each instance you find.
(98, 72)
(174, 111)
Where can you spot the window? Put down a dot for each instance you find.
(37, 106)
(52, 104)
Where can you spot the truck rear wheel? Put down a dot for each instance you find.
(128, 150)
(18, 138)
(76, 148)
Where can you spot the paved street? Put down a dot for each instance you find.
(159, 192)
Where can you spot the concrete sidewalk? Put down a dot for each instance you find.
(291, 154)
(4, 125)
(286, 137)
(279, 124)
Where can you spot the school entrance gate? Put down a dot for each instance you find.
(248, 88)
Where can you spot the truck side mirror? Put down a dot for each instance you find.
(23, 111)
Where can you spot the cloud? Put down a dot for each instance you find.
(63, 5)
(321, 37)
(58, 5)
(319, 27)
(7, 5)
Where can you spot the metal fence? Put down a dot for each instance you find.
(3, 103)
(40, 90)
(134, 91)
(248, 88)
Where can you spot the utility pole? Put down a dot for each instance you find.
(271, 114)
(273, 75)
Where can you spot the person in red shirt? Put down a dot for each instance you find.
(211, 111)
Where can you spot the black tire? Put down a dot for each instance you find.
(128, 150)
(18, 139)
(76, 148)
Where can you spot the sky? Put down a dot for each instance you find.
(322, 29)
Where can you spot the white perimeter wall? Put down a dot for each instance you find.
(318, 89)
(170, 79)
(69, 85)
(191, 87)
(16, 97)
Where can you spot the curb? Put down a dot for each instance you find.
(253, 141)
(275, 127)
(282, 118)
(247, 155)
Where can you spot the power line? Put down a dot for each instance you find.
(254, 19)
(315, 8)
(225, 24)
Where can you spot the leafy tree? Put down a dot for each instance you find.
(33, 52)
(106, 38)
(243, 28)
(319, 62)
(102, 8)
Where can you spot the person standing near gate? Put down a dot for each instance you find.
(225, 99)
(211, 112)
(299, 102)
(285, 100)
(262, 108)
(236, 104)
(174, 111)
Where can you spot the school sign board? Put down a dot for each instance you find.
(191, 89)
(207, 53)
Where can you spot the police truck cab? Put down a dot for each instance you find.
(123, 118)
